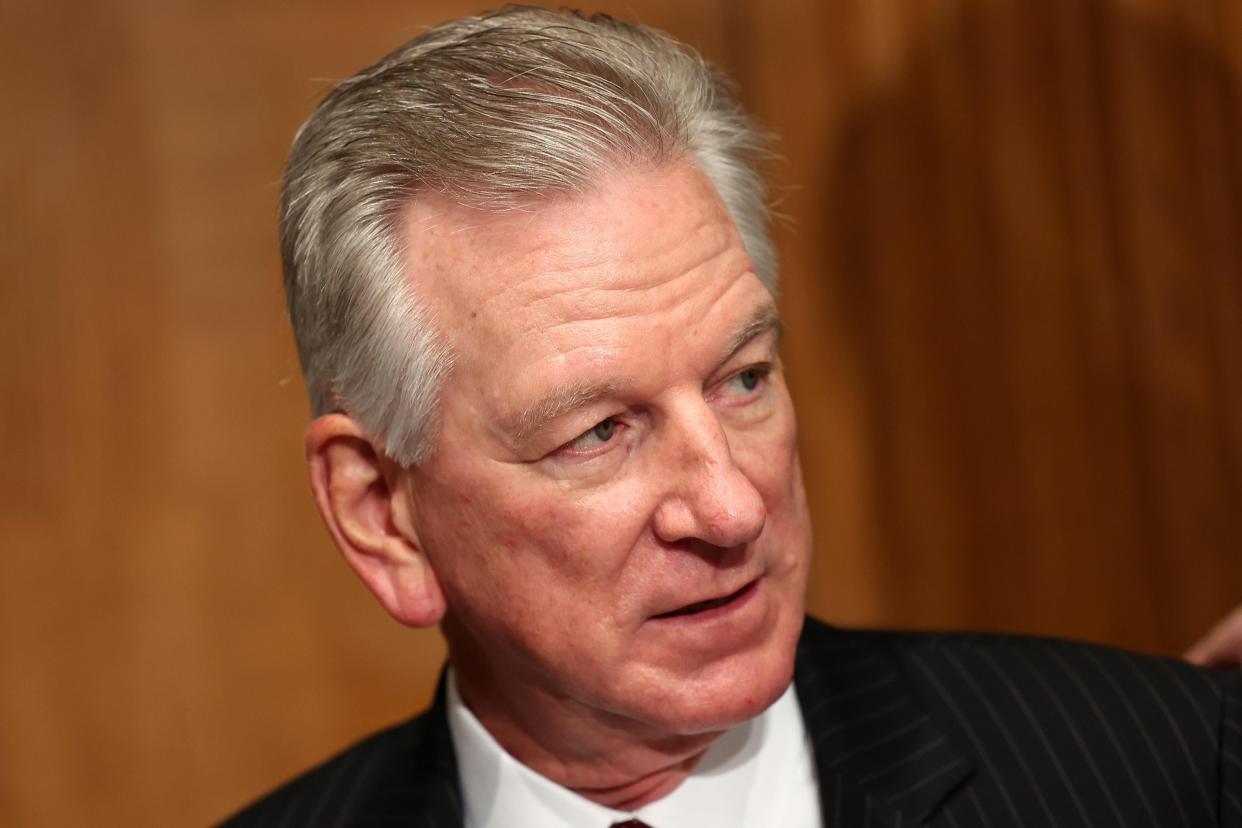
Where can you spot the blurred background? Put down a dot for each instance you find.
(1013, 287)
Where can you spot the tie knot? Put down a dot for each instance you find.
(631, 823)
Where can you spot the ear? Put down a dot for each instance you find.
(360, 495)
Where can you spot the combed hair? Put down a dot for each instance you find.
(495, 112)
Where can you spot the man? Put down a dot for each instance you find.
(527, 267)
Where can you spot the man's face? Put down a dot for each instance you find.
(614, 508)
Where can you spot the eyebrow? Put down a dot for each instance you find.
(558, 403)
(765, 319)
(566, 398)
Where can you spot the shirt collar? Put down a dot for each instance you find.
(768, 753)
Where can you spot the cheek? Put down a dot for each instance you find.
(529, 537)
(584, 539)
(534, 528)
(769, 459)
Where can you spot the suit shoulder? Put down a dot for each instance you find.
(341, 784)
(1066, 664)
(1075, 733)
(1055, 660)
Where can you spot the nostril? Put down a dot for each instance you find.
(739, 523)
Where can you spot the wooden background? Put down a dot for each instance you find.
(1012, 280)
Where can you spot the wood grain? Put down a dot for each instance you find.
(1012, 281)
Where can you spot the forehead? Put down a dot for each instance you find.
(643, 277)
(639, 230)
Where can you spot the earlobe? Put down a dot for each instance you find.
(359, 495)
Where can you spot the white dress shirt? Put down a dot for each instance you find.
(760, 773)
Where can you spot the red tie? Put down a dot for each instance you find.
(631, 823)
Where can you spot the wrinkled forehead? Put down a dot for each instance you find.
(637, 231)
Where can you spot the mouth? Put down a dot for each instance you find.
(701, 607)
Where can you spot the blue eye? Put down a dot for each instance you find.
(744, 382)
(602, 432)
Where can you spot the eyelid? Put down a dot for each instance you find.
(763, 348)
(566, 449)
(591, 431)
(764, 369)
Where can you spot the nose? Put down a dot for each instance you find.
(707, 497)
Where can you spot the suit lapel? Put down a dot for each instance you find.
(421, 779)
(880, 759)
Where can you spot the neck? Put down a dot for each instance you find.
(632, 795)
(604, 757)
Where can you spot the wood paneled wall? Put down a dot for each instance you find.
(1012, 282)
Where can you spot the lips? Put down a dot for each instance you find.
(711, 604)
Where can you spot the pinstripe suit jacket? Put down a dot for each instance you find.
(909, 729)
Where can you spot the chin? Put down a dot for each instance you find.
(731, 692)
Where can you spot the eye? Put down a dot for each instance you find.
(747, 380)
(601, 433)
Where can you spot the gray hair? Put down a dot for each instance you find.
(495, 112)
